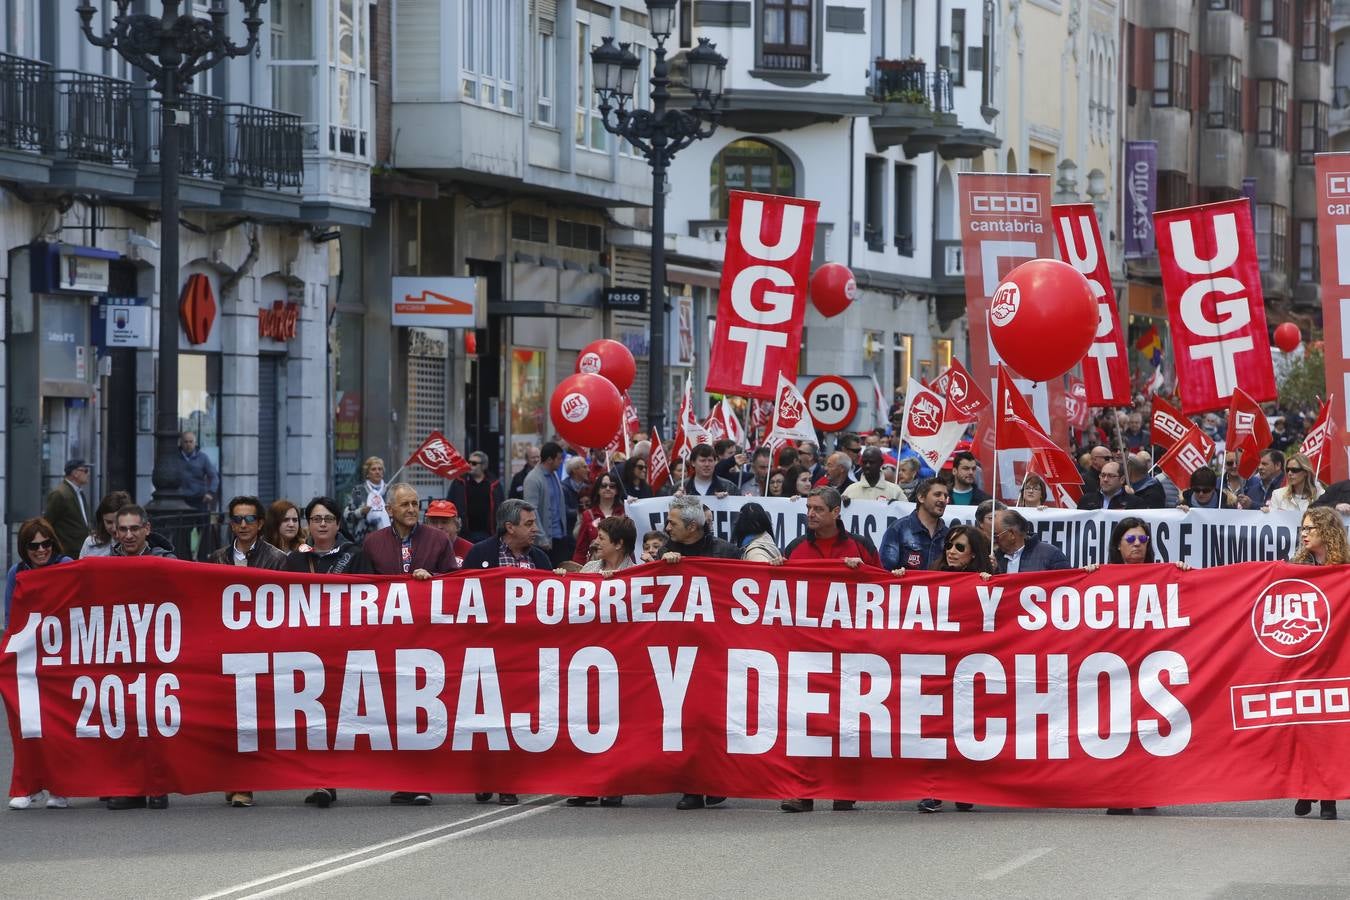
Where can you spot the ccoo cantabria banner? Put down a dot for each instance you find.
(1130, 686)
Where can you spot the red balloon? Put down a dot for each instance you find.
(610, 359)
(1043, 318)
(586, 410)
(1287, 337)
(832, 289)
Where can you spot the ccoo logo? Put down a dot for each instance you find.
(1291, 618)
(575, 407)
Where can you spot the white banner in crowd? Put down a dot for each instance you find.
(1201, 537)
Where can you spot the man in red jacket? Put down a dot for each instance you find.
(826, 538)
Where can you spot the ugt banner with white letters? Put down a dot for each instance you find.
(1130, 686)
(761, 303)
(1212, 280)
(1106, 369)
(1333, 238)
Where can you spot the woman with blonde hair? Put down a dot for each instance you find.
(1300, 486)
(366, 510)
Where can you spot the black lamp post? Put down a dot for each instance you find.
(659, 133)
(170, 49)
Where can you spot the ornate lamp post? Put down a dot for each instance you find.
(658, 133)
(170, 49)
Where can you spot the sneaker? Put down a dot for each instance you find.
(421, 798)
(240, 799)
(929, 805)
(57, 802)
(964, 807)
(322, 798)
(483, 797)
(507, 799)
(26, 802)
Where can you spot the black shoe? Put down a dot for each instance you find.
(796, 806)
(157, 801)
(483, 798)
(713, 801)
(322, 798)
(581, 801)
(410, 798)
(930, 805)
(690, 801)
(964, 807)
(613, 800)
(1302, 807)
(845, 805)
(1120, 811)
(508, 799)
(118, 803)
(1328, 809)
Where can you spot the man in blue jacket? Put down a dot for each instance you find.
(1021, 551)
(915, 542)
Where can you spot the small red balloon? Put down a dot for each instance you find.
(1287, 337)
(832, 289)
(1043, 318)
(609, 359)
(586, 410)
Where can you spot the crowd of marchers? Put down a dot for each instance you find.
(566, 513)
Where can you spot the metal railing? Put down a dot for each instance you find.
(25, 104)
(201, 141)
(93, 118)
(941, 88)
(266, 147)
(909, 81)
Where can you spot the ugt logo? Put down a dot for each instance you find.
(925, 417)
(437, 453)
(1291, 618)
(575, 407)
(789, 409)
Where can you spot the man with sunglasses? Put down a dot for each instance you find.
(248, 548)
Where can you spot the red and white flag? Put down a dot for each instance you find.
(1248, 432)
(790, 419)
(1106, 371)
(689, 433)
(930, 425)
(880, 397)
(731, 424)
(1317, 444)
(1076, 405)
(658, 467)
(961, 391)
(713, 425)
(440, 456)
(1168, 425)
(761, 411)
(630, 417)
(1191, 453)
(761, 303)
(1212, 281)
(1016, 428)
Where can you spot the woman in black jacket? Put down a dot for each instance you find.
(327, 552)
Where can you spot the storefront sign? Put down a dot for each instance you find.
(1141, 188)
(626, 298)
(279, 322)
(435, 303)
(85, 274)
(197, 308)
(122, 322)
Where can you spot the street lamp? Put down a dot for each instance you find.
(658, 133)
(171, 49)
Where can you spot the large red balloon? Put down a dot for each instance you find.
(832, 289)
(1287, 337)
(611, 359)
(586, 410)
(1043, 318)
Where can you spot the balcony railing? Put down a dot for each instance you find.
(267, 148)
(201, 141)
(25, 105)
(909, 81)
(94, 118)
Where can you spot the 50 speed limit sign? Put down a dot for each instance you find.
(832, 401)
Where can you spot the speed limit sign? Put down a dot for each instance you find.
(832, 401)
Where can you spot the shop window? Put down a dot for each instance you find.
(750, 165)
(199, 400)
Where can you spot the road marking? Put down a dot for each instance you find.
(1015, 863)
(392, 849)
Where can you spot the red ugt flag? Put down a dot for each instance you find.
(1016, 428)
(440, 456)
(658, 468)
(962, 391)
(1248, 431)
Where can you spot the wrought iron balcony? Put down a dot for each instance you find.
(94, 118)
(266, 148)
(25, 104)
(909, 81)
(201, 151)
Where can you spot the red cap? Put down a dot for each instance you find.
(442, 509)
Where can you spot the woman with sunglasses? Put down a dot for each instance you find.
(1322, 542)
(635, 479)
(281, 526)
(1300, 486)
(606, 501)
(37, 549)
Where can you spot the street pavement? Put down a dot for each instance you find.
(362, 848)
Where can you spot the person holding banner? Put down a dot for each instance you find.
(1204, 492)
(327, 552)
(753, 533)
(915, 542)
(826, 538)
(1301, 488)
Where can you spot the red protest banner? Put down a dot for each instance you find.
(1106, 370)
(1212, 280)
(762, 299)
(1130, 686)
(1333, 240)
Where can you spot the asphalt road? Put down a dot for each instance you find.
(362, 848)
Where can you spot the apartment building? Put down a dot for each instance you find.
(275, 154)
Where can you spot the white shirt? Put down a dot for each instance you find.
(1015, 560)
(703, 484)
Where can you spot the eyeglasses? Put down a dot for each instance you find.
(130, 529)
(1303, 529)
(1136, 539)
(607, 486)
(1292, 469)
(41, 545)
(959, 548)
(322, 520)
(243, 520)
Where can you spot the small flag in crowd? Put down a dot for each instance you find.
(688, 432)
(930, 426)
(1248, 432)
(1192, 452)
(961, 391)
(790, 418)
(658, 467)
(1150, 345)
(1168, 425)
(440, 456)
(1315, 445)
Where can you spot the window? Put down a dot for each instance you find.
(525, 227)
(987, 55)
(1171, 69)
(874, 224)
(641, 94)
(1314, 43)
(1273, 18)
(488, 53)
(1272, 98)
(1224, 109)
(957, 61)
(348, 78)
(686, 13)
(750, 165)
(590, 127)
(1312, 130)
(902, 359)
(199, 393)
(1308, 268)
(545, 72)
(787, 35)
(579, 235)
(904, 209)
(295, 69)
(1272, 237)
(1174, 191)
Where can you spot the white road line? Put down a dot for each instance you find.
(426, 837)
(1016, 863)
